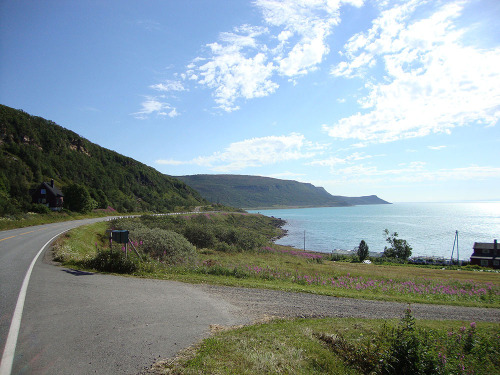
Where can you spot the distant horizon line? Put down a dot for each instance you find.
(454, 201)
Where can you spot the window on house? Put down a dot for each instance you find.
(496, 262)
(484, 262)
(43, 191)
(486, 251)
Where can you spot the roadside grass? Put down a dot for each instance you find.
(79, 245)
(288, 269)
(344, 346)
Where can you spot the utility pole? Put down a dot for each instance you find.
(455, 242)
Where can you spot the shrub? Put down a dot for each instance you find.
(408, 352)
(334, 257)
(40, 208)
(128, 224)
(164, 245)
(111, 261)
(247, 241)
(199, 235)
(226, 235)
(224, 247)
(406, 349)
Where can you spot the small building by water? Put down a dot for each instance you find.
(486, 254)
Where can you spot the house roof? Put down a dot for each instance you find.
(55, 191)
(485, 245)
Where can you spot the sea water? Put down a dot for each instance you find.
(429, 228)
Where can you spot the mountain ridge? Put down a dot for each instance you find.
(252, 192)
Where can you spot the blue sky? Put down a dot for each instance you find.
(395, 98)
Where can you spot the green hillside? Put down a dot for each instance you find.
(33, 150)
(264, 192)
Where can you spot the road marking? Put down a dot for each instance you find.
(10, 345)
(21, 234)
(6, 238)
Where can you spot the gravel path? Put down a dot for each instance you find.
(258, 304)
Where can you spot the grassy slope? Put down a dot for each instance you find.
(293, 347)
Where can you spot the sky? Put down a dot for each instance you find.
(395, 98)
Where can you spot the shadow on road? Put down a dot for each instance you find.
(77, 272)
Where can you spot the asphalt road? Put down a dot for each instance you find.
(83, 323)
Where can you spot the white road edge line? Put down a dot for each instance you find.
(15, 324)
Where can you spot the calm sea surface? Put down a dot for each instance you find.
(429, 228)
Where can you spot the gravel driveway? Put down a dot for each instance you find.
(257, 304)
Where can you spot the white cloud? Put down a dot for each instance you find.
(170, 162)
(334, 161)
(436, 148)
(245, 63)
(308, 23)
(169, 86)
(433, 81)
(412, 173)
(153, 105)
(254, 152)
(231, 73)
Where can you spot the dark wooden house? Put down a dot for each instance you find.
(46, 193)
(486, 254)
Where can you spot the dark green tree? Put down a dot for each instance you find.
(399, 248)
(77, 198)
(363, 251)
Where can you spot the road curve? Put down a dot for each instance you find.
(84, 323)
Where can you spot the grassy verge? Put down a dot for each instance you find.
(270, 266)
(76, 246)
(345, 346)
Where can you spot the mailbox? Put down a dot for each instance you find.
(120, 236)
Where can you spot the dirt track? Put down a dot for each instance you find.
(257, 304)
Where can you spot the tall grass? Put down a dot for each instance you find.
(346, 346)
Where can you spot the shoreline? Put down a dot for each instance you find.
(264, 208)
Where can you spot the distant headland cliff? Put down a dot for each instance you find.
(253, 192)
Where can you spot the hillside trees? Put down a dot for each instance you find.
(33, 150)
(77, 198)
